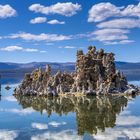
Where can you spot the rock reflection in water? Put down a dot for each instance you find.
(92, 114)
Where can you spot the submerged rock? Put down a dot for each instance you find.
(95, 74)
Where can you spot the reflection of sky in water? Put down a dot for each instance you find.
(103, 121)
(137, 83)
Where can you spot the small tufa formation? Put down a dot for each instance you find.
(95, 74)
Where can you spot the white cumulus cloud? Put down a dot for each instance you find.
(120, 23)
(122, 42)
(18, 48)
(108, 36)
(43, 51)
(38, 20)
(101, 11)
(65, 9)
(104, 10)
(67, 47)
(132, 10)
(110, 32)
(12, 48)
(111, 36)
(112, 19)
(54, 21)
(30, 50)
(6, 11)
(39, 37)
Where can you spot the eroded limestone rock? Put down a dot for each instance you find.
(95, 73)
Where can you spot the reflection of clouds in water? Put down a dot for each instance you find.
(130, 102)
(10, 98)
(8, 135)
(128, 120)
(63, 135)
(39, 126)
(42, 126)
(136, 83)
(18, 111)
(128, 127)
(56, 124)
(125, 112)
(118, 133)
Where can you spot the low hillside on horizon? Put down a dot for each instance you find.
(18, 70)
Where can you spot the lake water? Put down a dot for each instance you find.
(32, 118)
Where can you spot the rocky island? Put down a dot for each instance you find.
(95, 74)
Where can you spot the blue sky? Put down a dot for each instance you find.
(52, 30)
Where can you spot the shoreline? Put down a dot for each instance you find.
(81, 95)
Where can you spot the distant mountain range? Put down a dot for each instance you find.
(14, 72)
(10, 70)
(33, 65)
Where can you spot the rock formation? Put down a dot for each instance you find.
(95, 74)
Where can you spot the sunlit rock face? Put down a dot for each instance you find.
(93, 114)
(95, 74)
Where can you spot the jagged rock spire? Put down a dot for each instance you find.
(95, 73)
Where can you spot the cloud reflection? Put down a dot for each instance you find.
(10, 98)
(26, 111)
(8, 135)
(39, 126)
(56, 124)
(127, 127)
(62, 135)
(119, 133)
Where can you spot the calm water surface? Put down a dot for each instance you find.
(32, 118)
